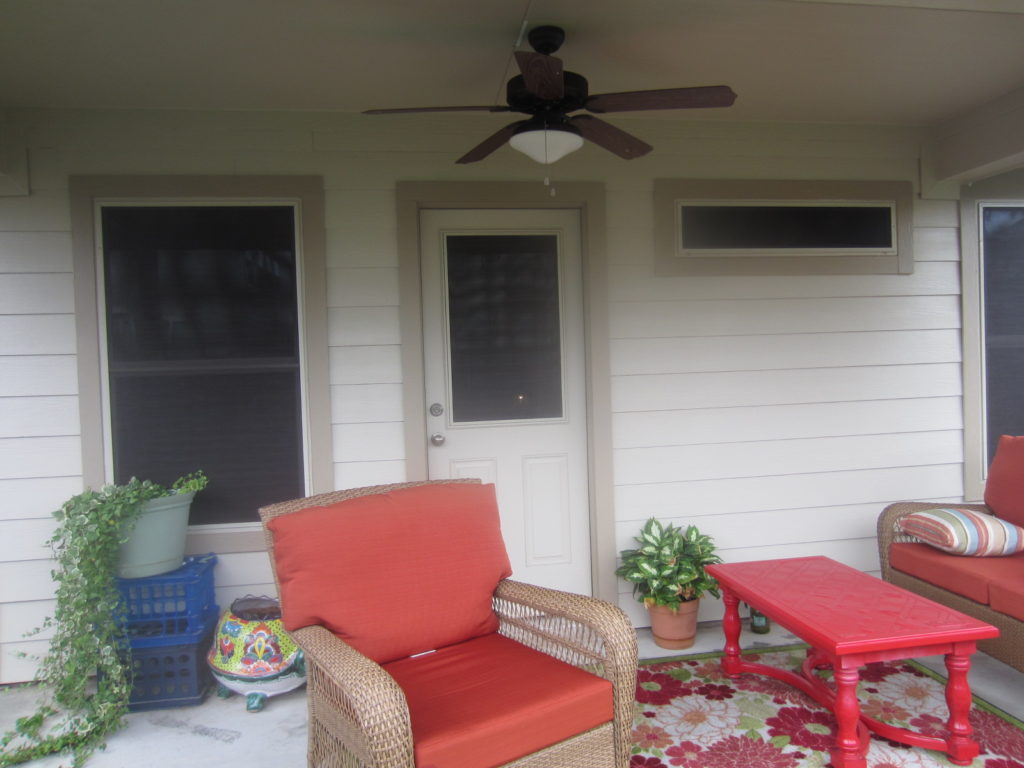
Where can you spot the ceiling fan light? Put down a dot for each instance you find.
(546, 145)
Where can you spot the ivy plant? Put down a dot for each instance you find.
(86, 672)
(668, 566)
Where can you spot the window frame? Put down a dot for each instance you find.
(305, 194)
(672, 195)
(1001, 191)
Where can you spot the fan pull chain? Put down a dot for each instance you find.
(547, 179)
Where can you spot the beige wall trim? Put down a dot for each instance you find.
(589, 199)
(309, 193)
(667, 193)
(1001, 189)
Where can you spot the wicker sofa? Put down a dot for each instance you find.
(962, 583)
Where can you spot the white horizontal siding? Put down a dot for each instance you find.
(750, 388)
(35, 252)
(357, 474)
(33, 497)
(31, 457)
(38, 375)
(718, 461)
(635, 282)
(366, 365)
(362, 287)
(772, 316)
(25, 539)
(46, 293)
(809, 350)
(362, 326)
(698, 499)
(39, 416)
(37, 335)
(638, 429)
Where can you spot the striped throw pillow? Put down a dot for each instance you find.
(964, 532)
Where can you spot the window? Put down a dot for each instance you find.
(201, 313)
(202, 351)
(992, 239)
(782, 227)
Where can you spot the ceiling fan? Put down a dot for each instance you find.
(548, 94)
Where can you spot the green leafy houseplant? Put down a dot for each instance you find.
(78, 713)
(668, 567)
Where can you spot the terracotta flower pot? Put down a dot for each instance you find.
(674, 629)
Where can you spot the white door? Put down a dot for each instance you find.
(505, 378)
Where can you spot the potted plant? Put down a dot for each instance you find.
(77, 712)
(668, 577)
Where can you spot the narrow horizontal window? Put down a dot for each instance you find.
(783, 227)
(790, 227)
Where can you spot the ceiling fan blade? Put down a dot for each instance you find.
(490, 144)
(665, 98)
(410, 110)
(606, 135)
(542, 74)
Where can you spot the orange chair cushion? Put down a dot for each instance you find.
(397, 573)
(492, 700)
(1004, 487)
(970, 577)
(1008, 597)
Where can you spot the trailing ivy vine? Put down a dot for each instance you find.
(79, 710)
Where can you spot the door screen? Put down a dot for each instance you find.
(504, 327)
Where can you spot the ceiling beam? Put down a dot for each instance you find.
(973, 6)
(982, 143)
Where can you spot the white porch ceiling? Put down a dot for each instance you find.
(895, 62)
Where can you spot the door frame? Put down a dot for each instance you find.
(588, 199)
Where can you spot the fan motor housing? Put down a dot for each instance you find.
(574, 95)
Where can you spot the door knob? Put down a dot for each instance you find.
(437, 439)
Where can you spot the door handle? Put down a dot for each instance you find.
(437, 439)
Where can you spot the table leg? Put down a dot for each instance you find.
(848, 752)
(962, 748)
(731, 663)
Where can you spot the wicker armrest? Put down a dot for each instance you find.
(889, 531)
(578, 629)
(355, 699)
(583, 631)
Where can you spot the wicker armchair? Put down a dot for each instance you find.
(1009, 646)
(358, 713)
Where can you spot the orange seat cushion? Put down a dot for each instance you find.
(970, 577)
(397, 573)
(1008, 597)
(1004, 486)
(491, 700)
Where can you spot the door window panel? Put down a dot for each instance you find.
(504, 327)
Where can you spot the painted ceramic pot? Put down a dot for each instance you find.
(253, 655)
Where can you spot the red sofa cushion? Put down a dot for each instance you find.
(1004, 487)
(1008, 597)
(397, 573)
(966, 576)
(492, 700)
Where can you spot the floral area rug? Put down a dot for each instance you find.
(689, 714)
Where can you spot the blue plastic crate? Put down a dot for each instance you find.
(171, 675)
(175, 608)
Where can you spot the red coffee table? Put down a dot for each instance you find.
(850, 619)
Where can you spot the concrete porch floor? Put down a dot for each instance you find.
(220, 732)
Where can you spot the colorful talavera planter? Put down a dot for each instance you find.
(253, 655)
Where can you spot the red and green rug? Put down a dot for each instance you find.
(690, 714)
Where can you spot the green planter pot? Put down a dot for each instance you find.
(156, 544)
